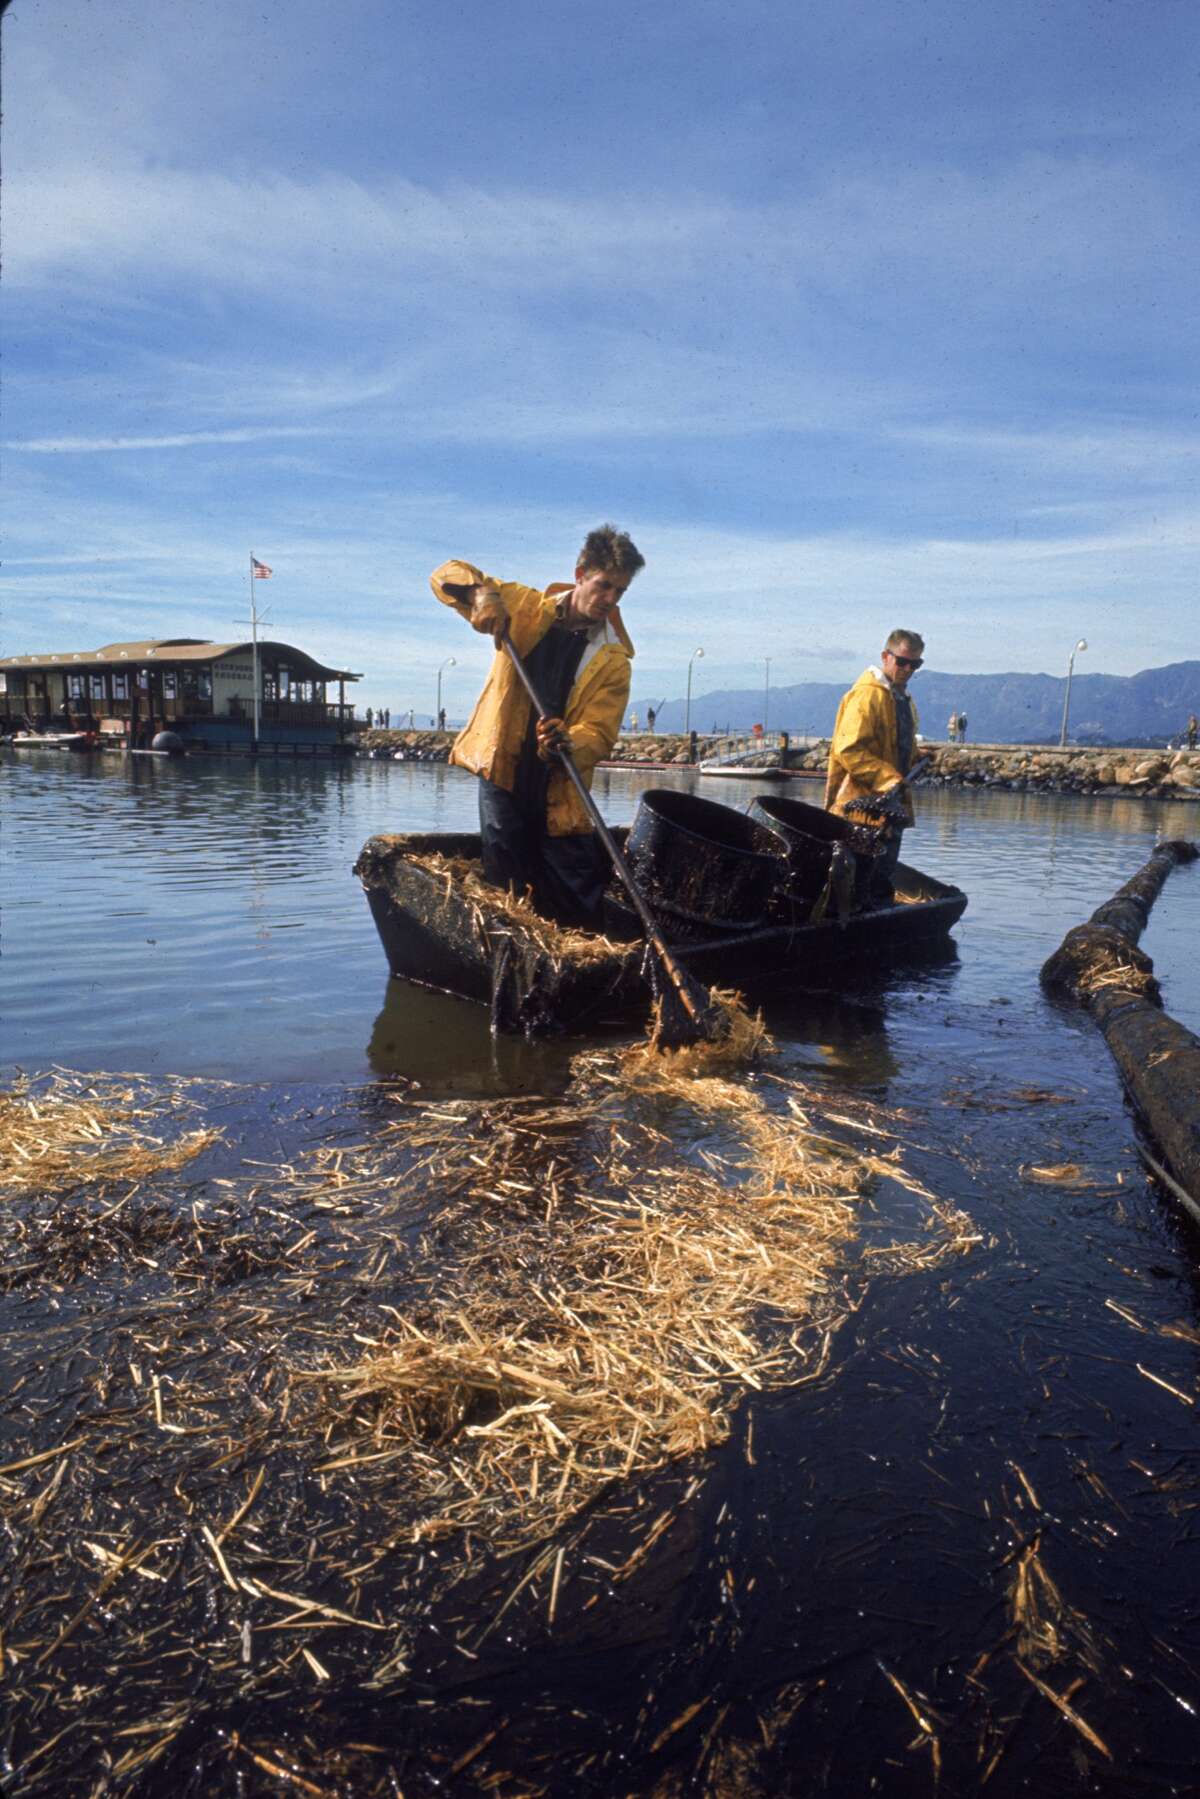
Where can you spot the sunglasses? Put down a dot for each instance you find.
(906, 661)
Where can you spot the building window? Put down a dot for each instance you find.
(97, 683)
(75, 687)
(170, 685)
(120, 684)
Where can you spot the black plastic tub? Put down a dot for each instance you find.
(797, 818)
(704, 864)
(810, 834)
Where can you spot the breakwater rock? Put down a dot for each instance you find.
(406, 746)
(663, 749)
(1158, 774)
(1162, 774)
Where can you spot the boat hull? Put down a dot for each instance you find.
(53, 740)
(435, 934)
(732, 772)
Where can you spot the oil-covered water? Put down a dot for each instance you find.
(968, 1558)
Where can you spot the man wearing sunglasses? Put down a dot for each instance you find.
(875, 741)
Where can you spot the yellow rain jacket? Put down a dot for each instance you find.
(490, 743)
(864, 755)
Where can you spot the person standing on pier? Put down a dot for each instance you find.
(1193, 726)
(874, 743)
(536, 835)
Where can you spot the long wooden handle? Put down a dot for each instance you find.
(624, 872)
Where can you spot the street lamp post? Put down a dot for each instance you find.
(450, 662)
(687, 710)
(767, 697)
(1062, 736)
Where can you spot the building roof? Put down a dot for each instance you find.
(180, 649)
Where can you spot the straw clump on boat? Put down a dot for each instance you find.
(557, 943)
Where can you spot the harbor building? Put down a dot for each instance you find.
(202, 691)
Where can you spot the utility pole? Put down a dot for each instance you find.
(1062, 737)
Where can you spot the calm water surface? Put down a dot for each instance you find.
(200, 916)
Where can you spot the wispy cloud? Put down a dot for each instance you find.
(836, 363)
(1057, 226)
(182, 440)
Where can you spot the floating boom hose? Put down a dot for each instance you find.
(1099, 965)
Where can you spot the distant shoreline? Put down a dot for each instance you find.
(1138, 773)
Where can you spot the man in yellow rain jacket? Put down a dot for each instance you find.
(535, 829)
(874, 743)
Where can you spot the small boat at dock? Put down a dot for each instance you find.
(745, 771)
(53, 740)
(756, 764)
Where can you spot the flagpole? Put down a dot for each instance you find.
(254, 656)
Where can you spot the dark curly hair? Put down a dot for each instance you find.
(611, 550)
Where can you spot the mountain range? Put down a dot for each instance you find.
(1150, 707)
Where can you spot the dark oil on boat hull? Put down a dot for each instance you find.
(434, 935)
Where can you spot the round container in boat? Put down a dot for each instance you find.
(810, 833)
(704, 863)
(789, 815)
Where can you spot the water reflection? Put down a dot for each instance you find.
(838, 1036)
(445, 1045)
(206, 911)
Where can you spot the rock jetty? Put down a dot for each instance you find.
(434, 746)
(1019, 768)
(1149, 774)
(410, 746)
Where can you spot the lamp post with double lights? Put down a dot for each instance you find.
(767, 697)
(687, 710)
(1062, 736)
(450, 662)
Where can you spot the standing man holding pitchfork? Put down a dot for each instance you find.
(537, 837)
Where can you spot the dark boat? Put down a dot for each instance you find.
(443, 928)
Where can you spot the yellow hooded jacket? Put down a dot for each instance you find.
(490, 743)
(864, 754)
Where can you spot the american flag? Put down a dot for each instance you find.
(259, 570)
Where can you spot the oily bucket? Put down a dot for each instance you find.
(810, 833)
(703, 864)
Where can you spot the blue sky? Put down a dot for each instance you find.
(854, 315)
